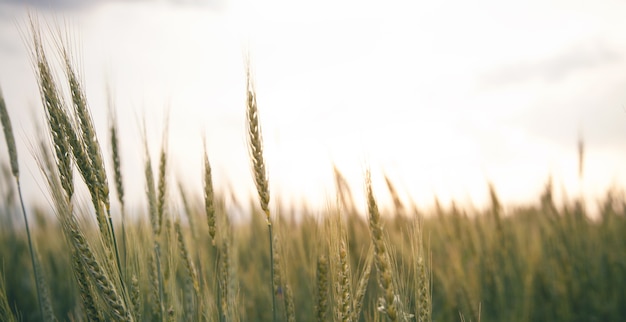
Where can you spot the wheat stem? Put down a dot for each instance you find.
(10, 140)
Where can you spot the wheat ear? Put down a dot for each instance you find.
(58, 122)
(208, 194)
(101, 280)
(85, 289)
(162, 185)
(48, 313)
(150, 187)
(153, 275)
(362, 286)
(135, 297)
(381, 258)
(193, 275)
(117, 168)
(344, 286)
(422, 275)
(321, 307)
(89, 143)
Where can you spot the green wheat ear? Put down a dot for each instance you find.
(209, 197)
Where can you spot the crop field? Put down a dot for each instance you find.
(97, 259)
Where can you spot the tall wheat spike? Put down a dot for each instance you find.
(162, 185)
(344, 287)
(135, 297)
(193, 275)
(255, 144)
(57, 119)
(150, 187)
(155, 287)
(117, 168)
(89, 142)
(208, 194)
(359, 294)
(255, 148)
(422, 275)
(321, 305)
(382, 260)
(224, 267)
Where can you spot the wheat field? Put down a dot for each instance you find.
(81, 260)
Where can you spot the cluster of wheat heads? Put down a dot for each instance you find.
(160, 268)
(535, 262)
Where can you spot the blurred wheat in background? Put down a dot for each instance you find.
(81, 259)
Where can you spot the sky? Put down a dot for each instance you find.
(440, 96)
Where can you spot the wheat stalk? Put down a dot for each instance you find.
(255, 148)
(10, 140)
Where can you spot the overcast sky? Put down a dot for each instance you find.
(442, 96)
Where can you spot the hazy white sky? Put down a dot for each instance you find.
(440, 95)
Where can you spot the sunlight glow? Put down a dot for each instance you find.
(443, 97)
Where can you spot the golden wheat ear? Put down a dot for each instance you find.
(255, 149)
(321, 305)
(381, 258)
